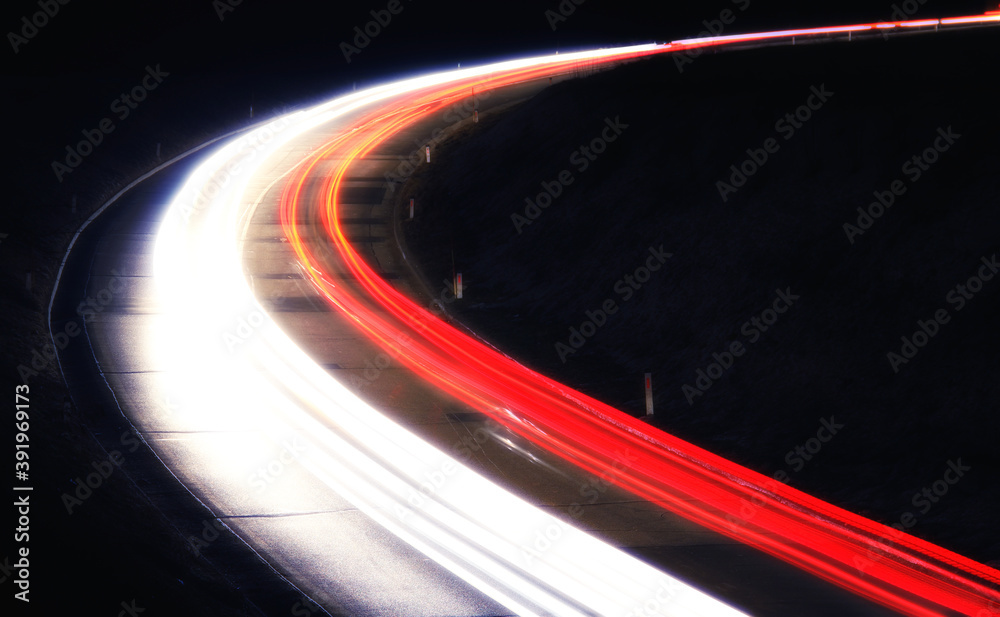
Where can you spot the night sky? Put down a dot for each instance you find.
(247, 36)
(224, 56)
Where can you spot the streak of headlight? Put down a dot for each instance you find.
(234, 367)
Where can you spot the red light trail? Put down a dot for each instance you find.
(878, 562)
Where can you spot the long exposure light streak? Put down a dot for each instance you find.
(225, 358)
(878, 562)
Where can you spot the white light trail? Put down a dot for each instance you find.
(224, 355)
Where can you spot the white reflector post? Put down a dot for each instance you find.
(649, 394)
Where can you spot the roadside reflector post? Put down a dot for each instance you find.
(649, 394)
(428, 151)
(411, 208)
(458, 285)
(475, 115)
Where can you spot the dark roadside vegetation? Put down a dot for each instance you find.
(535, 277)
(116, 549)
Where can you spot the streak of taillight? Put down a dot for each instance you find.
(890, 567)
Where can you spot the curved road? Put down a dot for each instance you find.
(268, 476)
